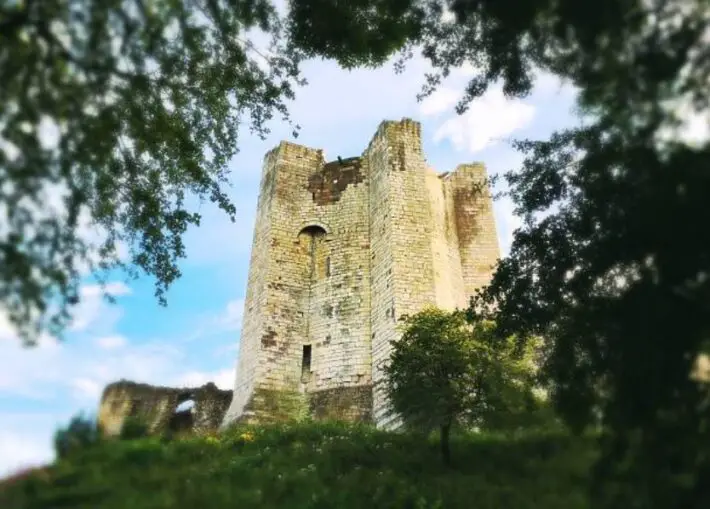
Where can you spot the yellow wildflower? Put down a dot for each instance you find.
(247, 436)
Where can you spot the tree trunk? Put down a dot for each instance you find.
(445, 446)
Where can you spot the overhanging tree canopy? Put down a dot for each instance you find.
(122, 109)
(611, 263)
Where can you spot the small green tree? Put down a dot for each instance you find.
(445, 371)
(81, 433)
(428, 377)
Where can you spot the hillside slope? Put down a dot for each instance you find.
(313, 466)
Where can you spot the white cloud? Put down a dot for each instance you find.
(86, 388)
(507, 223)
(549, 85)
(335, 102)
(115, 288)
(21, 451)
(80, 368)
(206, 245)
(223, 378)
(441, 101)
(111, 342)
(26, 369)
(76, 370)
(233, 314)
(467, 70)
(26, 439)
(93, 309)
(229, 319)
(488, 119)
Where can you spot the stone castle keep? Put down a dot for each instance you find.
(342, 250)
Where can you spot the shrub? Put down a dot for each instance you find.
(133, 428)
(81, 433)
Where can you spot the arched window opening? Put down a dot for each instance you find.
(185, 406)
(312, 240)
(313, 231)
(183, 417)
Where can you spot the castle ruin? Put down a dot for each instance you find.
(341, 251)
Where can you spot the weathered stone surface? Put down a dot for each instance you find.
(342, 403)
(157, 407)
(342, 250)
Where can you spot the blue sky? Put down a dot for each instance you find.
(195, 339)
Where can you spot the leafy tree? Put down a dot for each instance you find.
(517, 397)
(611, 263)
(445, 371)
(117, 112)
(121, 110)
(81, 432)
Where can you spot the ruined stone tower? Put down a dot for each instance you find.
(341, 251)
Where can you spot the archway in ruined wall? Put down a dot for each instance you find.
(183, 417)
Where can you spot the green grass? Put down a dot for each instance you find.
(313, 466)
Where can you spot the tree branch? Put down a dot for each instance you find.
(13, 21)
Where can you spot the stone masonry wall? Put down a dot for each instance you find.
(339, 327)
(475, 224)
(342, 250)
(156, 406)
(383, 323)
(448, 277)
(253, 327)
(315, 281)
(407, 232)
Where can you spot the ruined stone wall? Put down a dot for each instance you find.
(470, 197)
(342, 250)
(156, 406)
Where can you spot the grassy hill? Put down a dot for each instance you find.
(313, 466)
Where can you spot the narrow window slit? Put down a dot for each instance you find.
(306, 360)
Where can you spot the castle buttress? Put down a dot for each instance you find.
(341, 250)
